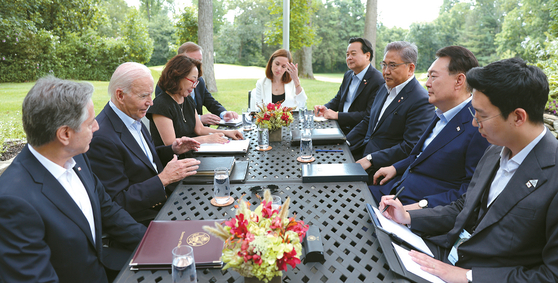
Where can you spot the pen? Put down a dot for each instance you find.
(329, 150)
(394, 197)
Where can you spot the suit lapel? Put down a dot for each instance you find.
(519, 186)
(127, 139)
(399, 99)
(376, 108)
(452, 130)
(348, 78)
(95, 205)
(364, 82)
(53, 191)
(147, 138)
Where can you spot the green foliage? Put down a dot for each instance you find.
(187, 26)
(548, 62)
(421, 34)
(384, 36)
(139, 45)
(11, 129)
(113, 15)
(553, 25)
(163, 32)
(301, 32)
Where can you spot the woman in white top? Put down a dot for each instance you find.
(281, 83)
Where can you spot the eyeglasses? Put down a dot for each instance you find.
(483, 120)
(258, 189)
(196, 82)
(392, 66)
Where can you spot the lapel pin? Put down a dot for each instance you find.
(399, 100)
(458, 128)
(528, 184)
(401, 97)
(533, 182)
(79, 168)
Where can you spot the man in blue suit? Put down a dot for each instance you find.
(358, 89)
(122, 154)
(399, 115)
(202, 97)
(53, 209)
(505, 228)
(442, 163)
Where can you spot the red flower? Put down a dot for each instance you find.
(271, 107)
(276, 222)
(297, 227)
(240, 230)
(285, 117)
(266, 116)
(266, 209)
(288, 258)
(257, 259)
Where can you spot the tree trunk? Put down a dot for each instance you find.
(305, 67)
(205, 40)
(370, 25)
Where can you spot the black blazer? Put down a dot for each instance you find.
(203, 98)
(517, 239)
(401, 126)
(123, 167)
(364, 97)
(44, 236)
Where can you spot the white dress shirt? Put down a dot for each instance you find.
(353, 86)
(393, 92)
(70, 181)
(508, 167)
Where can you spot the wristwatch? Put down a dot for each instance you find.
(423, 203)
(369, 158)
(469, 276)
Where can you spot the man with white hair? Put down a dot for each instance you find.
(122, 153)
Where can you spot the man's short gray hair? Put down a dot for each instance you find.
(124, 76)
(407, 51)
(52, 103)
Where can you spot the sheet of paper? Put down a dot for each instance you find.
(231, 146)
(412, 266)
(403, 233)
(237, 121)
(319, 119)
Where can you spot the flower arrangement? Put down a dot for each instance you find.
(262, 242)
(273, 116)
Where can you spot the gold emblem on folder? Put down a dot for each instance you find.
(198, 239)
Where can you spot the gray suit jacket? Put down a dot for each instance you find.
(517, 239)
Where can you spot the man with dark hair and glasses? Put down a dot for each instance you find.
(399, 115)
(442, 163)
(505, 228)
(358, 89)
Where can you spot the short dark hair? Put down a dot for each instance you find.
(365, 45)
(279, 53)
(175, 70)
(461, 60)
(510, 84)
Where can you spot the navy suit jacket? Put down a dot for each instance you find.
(517, 239)
(399, 129)
(360, 107)
(44, 236)
(441, 174)
(122, 166)
(203, 98)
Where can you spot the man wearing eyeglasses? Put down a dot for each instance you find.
(399, 115)
(439, 168)
(202, 97)
(358, 89)
(505, 228)
(136, 174)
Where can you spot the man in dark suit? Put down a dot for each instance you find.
(399, 115)
(505, 228)
(358, 89)
(442, 163)
(53, 208)
(122, 154)
(202, 97)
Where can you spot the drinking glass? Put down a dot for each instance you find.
(276, 202)
(301, 113)
(246, 119)
(221, 185)
(306, 145)
(183, 265)
(263, 138)
(309, 119)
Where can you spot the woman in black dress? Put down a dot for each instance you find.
(173, 113)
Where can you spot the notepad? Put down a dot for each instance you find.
(232, 123)
(233, 146)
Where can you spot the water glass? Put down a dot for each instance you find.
(263, 138)
(301, 113)
(246, 119)
(309, 119)
(183, 265)
(276, 202)
(221, 185)
(306, 149)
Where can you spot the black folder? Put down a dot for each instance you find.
(322, 136)
(344, 172)
(237, 176)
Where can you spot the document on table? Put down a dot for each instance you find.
(233, 123)
(412, 266)
(319, 119)
(403, 233)
(230, 147)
